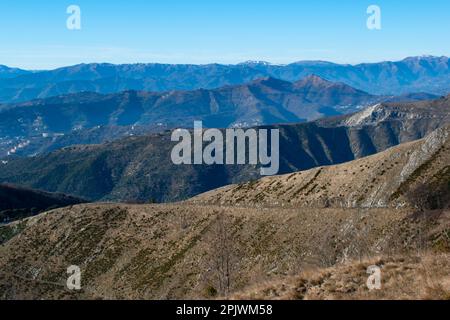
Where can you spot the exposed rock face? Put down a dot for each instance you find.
(430, 146)
(349, 281)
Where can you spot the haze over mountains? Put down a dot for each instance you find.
(84, 118)
(415, 74)
(104, 163)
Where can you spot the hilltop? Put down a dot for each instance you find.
(170, 251)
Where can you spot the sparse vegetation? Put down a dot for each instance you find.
(7, 232)
(403, 277)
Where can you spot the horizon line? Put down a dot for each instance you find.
(255, 62)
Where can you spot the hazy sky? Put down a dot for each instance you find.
(34, 34)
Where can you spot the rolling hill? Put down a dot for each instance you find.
(263, 101)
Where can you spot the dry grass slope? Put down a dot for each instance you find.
(166, 251)
(423, 277)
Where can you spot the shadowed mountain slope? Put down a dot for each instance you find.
(18, 203)
(170, 251)
(263, 101)
(43, 125)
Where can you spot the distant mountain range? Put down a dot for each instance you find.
(84, 118)
(364, 180)
(414, 74)
(8, 73)
(139, 168)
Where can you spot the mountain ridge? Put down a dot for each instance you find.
(414, 74)
(263, 101)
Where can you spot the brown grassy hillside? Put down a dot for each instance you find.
(423, 277)
(172, 251)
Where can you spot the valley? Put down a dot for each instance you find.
(380, 180)
(26, 128)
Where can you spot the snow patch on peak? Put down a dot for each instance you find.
(255, 62)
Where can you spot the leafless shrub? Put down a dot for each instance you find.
(356, 237)
(183, 220)
(323, 249)
(421, 199)
(223, 254)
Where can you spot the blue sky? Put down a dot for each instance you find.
(34, 34)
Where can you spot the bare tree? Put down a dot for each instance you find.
(420, 198)
(223, 254)
(360, 235)
(322, 247)
(183, 220)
